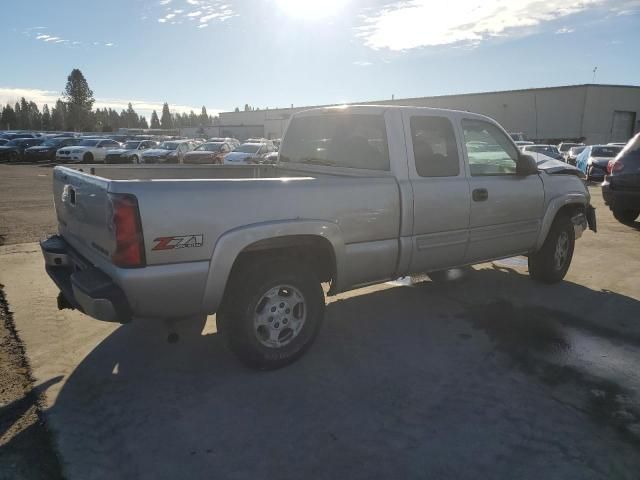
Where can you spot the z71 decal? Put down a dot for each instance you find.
(179, 241)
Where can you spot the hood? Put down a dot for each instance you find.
(82, 149)
(42, 147)
(202, 153)
(236, 156)
(6, 148)
(119, 151)
(158, 152)
(552, 166)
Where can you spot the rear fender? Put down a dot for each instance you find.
(232, 243)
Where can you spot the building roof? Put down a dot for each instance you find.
(536, 89)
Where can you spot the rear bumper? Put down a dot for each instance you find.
(621, 199)
(82, 285)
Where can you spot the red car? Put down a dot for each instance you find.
(208, 153)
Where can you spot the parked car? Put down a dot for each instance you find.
(168, 152)
(46, 151)
(210, 152)
(594, 159)
(130, 152)
(522, 143)
(233, 142)
(617, 144)
(13, 150)
(250, 152)
(13, 136)
(517, 136)
(4, 141)
(564, 148)
(87, 150)
(621, 187)
(573, 153)
(361, 195)
(549, 150)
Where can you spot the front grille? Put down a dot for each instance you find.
(64, 152)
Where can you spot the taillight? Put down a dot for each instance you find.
(615, 166)
(125, 222)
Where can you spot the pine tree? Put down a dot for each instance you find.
(166, 121)
(143, 123)
(155, 122)
(46, 118)
(79, 99)
(204, 117)
(59, 115)
(9, 118)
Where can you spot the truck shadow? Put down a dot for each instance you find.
(466, 379)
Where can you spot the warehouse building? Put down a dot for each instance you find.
(590, 113)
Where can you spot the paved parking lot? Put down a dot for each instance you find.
(488, 376)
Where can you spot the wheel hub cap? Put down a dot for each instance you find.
(562, 250)
(279, 316)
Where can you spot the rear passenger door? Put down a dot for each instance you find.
(506, 208)
(440, 192)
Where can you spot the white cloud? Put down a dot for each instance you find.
(362, 63)
(203, 10)
(40, 34)
(563, 30)
(143, 107)
(409, 24)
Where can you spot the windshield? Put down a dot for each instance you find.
(248, 148)
(564, 147)
(131, 145)
(13, 143)
(168, 146)
(343, 140)
(607, 152)
(88, 143)
(209, 147)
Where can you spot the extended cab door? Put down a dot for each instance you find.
(506, 208)
(441, 195)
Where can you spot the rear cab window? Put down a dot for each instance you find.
(337, 139)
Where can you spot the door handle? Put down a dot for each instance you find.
(480, 195)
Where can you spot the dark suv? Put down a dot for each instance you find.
(621, 186)
(48, 149)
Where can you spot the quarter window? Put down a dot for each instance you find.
(434, 147)
(490, 151)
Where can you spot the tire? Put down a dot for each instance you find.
(87, 158)
(549, 264)
(263, 341)
(135, 159)
(588, 179)
(625, 216)
(13, 157)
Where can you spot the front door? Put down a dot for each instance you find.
(506, 208)
(440, 192)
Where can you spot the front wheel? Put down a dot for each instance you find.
(135, 159)
(274, 312)
(551, 263)
(87, 158)
(626, 216)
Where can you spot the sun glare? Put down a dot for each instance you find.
(311, 9)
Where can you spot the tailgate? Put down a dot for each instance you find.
(83, 212)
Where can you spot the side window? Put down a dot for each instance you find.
(490, 151)
(434, 147)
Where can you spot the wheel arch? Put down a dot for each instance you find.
(570, 205)
(317, 242)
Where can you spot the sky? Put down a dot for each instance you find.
(274, 53)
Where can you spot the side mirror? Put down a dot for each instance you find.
(526, 165)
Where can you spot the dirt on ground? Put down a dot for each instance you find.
(26, 448)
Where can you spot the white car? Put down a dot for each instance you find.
(249, 153)
(89, 150)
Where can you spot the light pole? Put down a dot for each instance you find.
(595, 69)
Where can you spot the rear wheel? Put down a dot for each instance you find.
(273, 314)
(135, 159)
(13, 156)
(551, 263)
(626, 216)
(87, 158)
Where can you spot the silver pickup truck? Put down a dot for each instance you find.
(359, 195)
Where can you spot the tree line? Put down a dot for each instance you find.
(74, 112)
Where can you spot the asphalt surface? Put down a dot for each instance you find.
(487, 376)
